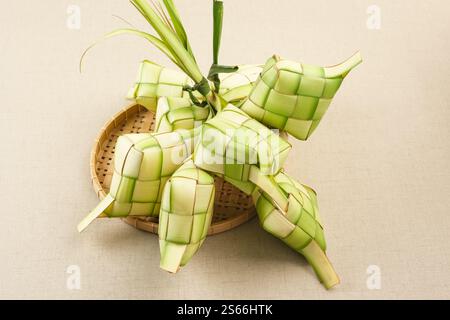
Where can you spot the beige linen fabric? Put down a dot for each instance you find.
(379, 160)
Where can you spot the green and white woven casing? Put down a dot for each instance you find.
(179, 114)
(186, 213)
(293, 96)
(232, 142)
(298, 225)
(142, 165)
(236, 86)
(154, 81)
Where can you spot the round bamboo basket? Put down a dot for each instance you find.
(232, 207)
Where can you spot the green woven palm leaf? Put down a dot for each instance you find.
(179, 114)
(232, 141)
(186, 213)
(142, 165)
(155, 81)
(298, 224)
(293, 96)
(236, 86)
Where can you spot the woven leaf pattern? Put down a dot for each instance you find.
(186, 213)
(155, 81)
(236, 86)
(293, 96)
(142, 165)
(179, 114)
(232, 141)
(300, 223)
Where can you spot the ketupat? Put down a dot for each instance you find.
(298, 225)
(235, 87)
(179, 113)
(142, 165)
(231, 142)
(293, 96)
(220, 126)
(186, 213)
(155, 81)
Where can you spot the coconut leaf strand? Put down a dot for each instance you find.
(171, 39)
(178, 25)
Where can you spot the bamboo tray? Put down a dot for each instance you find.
(232, 206)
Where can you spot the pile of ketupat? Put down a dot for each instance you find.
(221, 125)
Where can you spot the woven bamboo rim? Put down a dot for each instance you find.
(232, 207)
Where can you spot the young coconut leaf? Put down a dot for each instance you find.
(172, 42)
(178, 25)
(217, 29)
(217, 69)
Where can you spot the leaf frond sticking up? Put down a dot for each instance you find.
(162, 14)
(178, 25)
(171, 40)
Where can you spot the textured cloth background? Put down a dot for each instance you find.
(379, 160)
